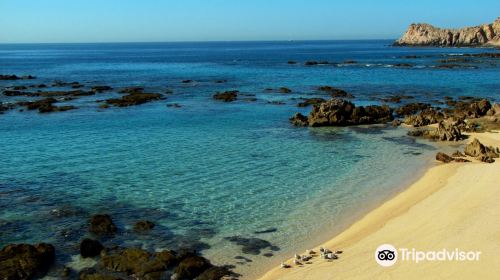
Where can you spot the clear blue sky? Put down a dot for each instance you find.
(213, 20)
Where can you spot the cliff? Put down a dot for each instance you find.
(422, 34)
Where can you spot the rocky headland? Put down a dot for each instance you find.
(422, 34)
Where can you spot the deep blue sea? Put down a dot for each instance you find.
(210, 170)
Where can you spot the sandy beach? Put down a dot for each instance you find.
(452, 206)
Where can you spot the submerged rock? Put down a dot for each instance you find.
(138, 262)
(25, 261)
(311, 101)
(251, 245)
(134, 99)
(99, 89)
(45, 105)
(227, 96)
(335, 92)
(102, 225)
(15, 77)
(90, 248)
(214, 273)
(142, 226)
(191, 267)
(285, 90)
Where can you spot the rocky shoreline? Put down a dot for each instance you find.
(27, 261)
(422, 34)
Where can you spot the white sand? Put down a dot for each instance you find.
(452, 206)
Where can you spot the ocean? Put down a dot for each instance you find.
(210, 170)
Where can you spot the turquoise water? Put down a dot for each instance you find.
(210, 170)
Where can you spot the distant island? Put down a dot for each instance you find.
(422, 34)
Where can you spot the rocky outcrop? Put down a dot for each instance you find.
(425, 117)
(339, 112)
(24, 261)
(481, 152)
(422, 34)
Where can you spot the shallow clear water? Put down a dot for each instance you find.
(210, 170)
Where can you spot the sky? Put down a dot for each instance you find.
(75, 21)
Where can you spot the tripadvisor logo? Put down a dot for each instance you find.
(386, 255)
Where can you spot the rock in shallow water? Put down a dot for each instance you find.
(142, 226)
(90, 248)
(339, 112)
(102, 224)
(24, 261)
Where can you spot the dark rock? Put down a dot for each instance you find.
(102, 224)
(99, 89)
(89, 274)
(274, 102)
(480, 151)
(299, 120)
(138, 262)
(251, 245)
(285, 90)
(292, 62)
(457, 154)
(132, 90)
(45, 105)
(411, 109)
(338, 112)
(14, 77)
(24, 261)
(486, 159)
(311, 63)
(425, 117)
(142, 226)
(191, 267)
(227, 96)
(187, 81)
(461, 160)
(90, 248)
(443, 157)
(403, 65)
(134, 99)
(214, 273)
(311, 101)
(335, 92)
(448, 132)
(350, 62)
(269, 230)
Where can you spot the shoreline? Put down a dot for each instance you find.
(411, 219)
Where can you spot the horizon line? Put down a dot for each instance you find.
(189, 41)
